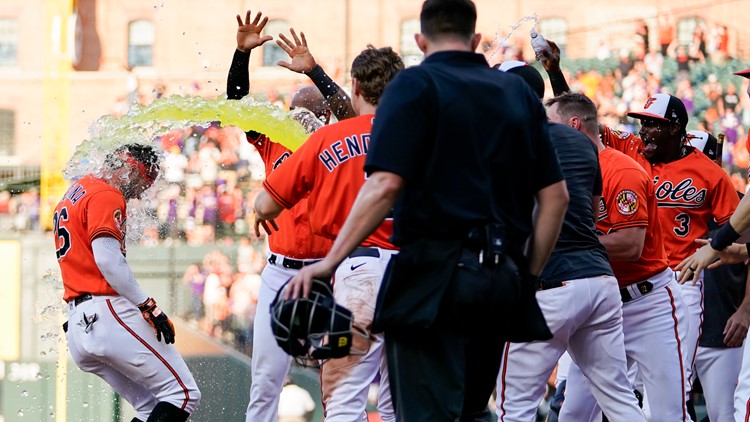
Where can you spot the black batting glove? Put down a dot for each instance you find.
(158, 320)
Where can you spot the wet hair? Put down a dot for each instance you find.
(573, 104)
(448, 18)
(374, 68)
(143, 154)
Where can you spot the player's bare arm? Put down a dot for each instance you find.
(737, 325)
(373, 204)
(266, 210)
(302, 61)
(552, 204)
(249, 32)
(708, 257)
(624, 244)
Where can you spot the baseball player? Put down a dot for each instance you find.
(114, 329)
(328, 171)
(578, 296)
(691, 190)
(292, 245)
(721, 241)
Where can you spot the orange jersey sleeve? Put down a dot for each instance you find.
(628, 201)
(295, 237)
(329, 168)
(628, 144)
(690, 192)
(89, 209)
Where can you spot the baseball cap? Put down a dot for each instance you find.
(528, 73)
(705, 142)
(663, 107)
(745, 73)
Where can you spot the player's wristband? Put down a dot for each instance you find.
(323, 82)
(724, 237)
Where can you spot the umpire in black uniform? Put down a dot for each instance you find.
(462, 152)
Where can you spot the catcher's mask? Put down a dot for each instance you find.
(313, 328)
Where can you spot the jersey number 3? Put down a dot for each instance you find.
(62, 235)
(684, 225)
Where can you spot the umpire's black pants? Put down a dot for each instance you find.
(448, 372)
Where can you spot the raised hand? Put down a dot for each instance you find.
(550, 58)
(301, 59)
(248, 33)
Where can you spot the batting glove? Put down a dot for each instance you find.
(158, 320)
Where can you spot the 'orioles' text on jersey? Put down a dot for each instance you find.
(689, 192)
(329, 167)
(89, 209)
(298, 241)
(628, 201)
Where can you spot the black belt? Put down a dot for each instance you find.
(362, 251)
(294, 264)
(643, 287)
(82, 298)
(547, 285)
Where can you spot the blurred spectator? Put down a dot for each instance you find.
(666, 33)
(295, 403)
(195, 278)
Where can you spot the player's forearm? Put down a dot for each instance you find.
(238, 78)
(374, 202)
(552, 204)
(115, 269)
(625, 244)
(740, 220)
(338, 101)
(266, 207)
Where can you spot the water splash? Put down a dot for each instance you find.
(518, 24)
(141, 124)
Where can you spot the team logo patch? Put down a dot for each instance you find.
(119, 220)
(621, 134)
(627, 202)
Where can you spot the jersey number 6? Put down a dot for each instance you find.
(62, 236)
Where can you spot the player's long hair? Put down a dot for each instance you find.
(374, 68)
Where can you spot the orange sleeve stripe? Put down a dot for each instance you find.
(276, 196)
(102, 231)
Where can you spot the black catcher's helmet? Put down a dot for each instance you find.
(312, 328)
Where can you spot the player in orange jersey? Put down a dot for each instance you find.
(114, 328)
(291, 241)
(691, 190)
(653, 310)
(328, 170)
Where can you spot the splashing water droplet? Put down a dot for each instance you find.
(24, 393)
(85, 404)
(20, 413)
(500, 43)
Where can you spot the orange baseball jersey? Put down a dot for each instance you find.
(329, 167)
(689, 192)
(89, 209)
(298, 240)
(627, 143)
(628, 201)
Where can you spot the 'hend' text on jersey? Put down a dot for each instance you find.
(340, 151)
